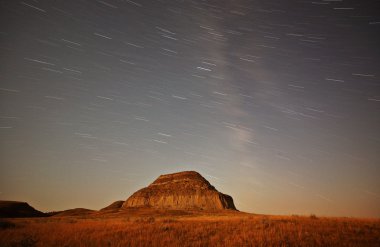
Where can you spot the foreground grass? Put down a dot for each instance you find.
(200, 230)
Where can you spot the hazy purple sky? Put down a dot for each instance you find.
(276, 103)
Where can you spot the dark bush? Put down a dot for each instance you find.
(4, 224)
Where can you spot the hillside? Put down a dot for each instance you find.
(14, 209)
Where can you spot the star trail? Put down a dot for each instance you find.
(276, 103)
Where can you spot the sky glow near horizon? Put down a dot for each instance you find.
(276, 104)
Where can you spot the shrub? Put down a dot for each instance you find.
(4, 224)
(313, 216)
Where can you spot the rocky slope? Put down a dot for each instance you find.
(183, 190)
(113, 206)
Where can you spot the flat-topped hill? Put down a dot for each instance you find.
(14, 209)
(183, 190)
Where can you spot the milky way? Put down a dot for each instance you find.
(276, 103)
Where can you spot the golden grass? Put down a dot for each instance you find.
(229, 229)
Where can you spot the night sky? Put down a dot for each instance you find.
(276, 103)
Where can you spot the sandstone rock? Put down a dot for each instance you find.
(183, 190)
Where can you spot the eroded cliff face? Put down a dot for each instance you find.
(182, 190)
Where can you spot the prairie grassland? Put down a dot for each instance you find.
(184, 230)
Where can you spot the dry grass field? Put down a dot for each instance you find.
(189, 229)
